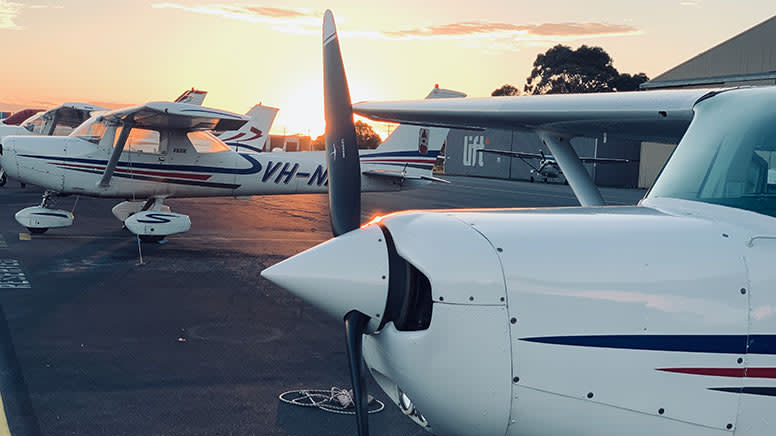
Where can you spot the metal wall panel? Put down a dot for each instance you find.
(462, 157)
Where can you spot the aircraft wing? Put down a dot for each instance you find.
(164, 115)
(517, 154)
(71, 114)
(640, 115)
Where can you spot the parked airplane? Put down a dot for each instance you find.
(60, 120)
(656, 319)
(19, 117)
(148, 153)
(548, 167)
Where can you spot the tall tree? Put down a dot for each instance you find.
(587, 69)
(366, 137)
(505, 90)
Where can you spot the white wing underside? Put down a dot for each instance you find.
(163, 115)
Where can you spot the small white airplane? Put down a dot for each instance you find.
(58, 121)
(62, 119)
(656, 319)
(146, 154)
(548, 167)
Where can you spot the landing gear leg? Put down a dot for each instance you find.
(46, 200)
(3, 178)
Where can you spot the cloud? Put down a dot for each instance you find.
(8, 12)
(479, 29)
(285, 20)
(505, 36)
(694, 3)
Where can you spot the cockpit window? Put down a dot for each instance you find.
(35, 124)
(725, 158)
(204, 142)
(91, 131)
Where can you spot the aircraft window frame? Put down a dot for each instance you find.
(205, 142)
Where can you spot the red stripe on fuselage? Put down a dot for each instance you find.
(427, 161)
(726, 372)
(141, 172)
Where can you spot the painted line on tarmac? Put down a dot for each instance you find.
(190, 238)
(17, 409)
(3, 244)
(12, 276)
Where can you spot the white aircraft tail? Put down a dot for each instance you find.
(410, 150)
(253, 135)
(192, 96)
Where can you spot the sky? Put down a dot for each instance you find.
(243, 53)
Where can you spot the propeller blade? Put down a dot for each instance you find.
(342, 160)
(355, 325)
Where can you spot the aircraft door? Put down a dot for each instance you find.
(757, 389)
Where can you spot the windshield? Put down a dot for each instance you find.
(728, 155)
(91, 131)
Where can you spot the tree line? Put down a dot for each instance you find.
(561, 70)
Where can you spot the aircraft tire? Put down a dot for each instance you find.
(37, 230)
(545, 180)
(3, 180)
(532, 179)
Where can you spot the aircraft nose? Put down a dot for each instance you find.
(349, 272)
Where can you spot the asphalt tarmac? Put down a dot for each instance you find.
(193, 341)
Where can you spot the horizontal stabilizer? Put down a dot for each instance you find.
(392, 174)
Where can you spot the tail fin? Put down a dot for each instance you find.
(192, 96)
(411, 149)
(253, 135)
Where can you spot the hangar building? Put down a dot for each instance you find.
(746, 59)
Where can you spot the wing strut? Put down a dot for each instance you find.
(583, 186)
(114, 158)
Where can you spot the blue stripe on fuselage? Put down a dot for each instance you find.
(722, 344)
(254, 169)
